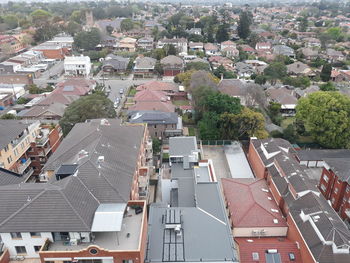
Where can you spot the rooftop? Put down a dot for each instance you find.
(181, 146)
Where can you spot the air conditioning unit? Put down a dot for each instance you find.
(74, 241)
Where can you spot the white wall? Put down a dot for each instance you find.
(27, 241)
(269, 231)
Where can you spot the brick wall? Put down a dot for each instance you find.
(294, 234)
(16, 79)
(256, 163)
(5, 257)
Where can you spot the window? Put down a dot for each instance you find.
(6, 148)
(348, 189)
(22, 145)
(37, 248)
(128, 261)
(16, 152)
(291, 256)
(16, 235)
(9, 159)
(323, 187)
(336, 190)
(21, 250)
(325, 177)
(333, 200)
(255, 256)
(35, 234)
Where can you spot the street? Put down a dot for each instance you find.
(56, 69)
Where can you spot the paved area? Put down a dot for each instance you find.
(56, 69)
(217, 154)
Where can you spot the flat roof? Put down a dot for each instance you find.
(237, 161)
(181, 146)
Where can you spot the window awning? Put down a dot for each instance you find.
(108, 218)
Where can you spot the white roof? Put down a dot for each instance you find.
(108, 218)
(77, 59)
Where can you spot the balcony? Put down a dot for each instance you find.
(42, 138)
(23, 165)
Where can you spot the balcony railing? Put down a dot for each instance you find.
(42, 141)
(24, 166)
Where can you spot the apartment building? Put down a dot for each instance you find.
(87, 207)
(77, 66)
(26, 145)
(312, 222)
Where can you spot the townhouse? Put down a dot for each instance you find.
(190, 224)
(312, 223)
(77, 66)
(172, 65)
(179, 43)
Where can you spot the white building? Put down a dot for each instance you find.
(77, 66)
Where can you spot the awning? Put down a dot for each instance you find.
(108, 218)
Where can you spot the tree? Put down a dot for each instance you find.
(302, 81)
(126, 24)
(156, 145)
(326, 116)
(274, 112)
(73, 28)
(326, 72)
(222, 33)
(22, 100)
(244, 24)
(290, 134)
(303, 24)
(46, 32)
(8, 116)
(40, 17)
(170, 49)
(93, 106)
(246, 124)
(275, 71)
(77, 16)
(260, 79)
(197, 66)
(87, 40)
(109, 29)
(11, 21)
(328, 87)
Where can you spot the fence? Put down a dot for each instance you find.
(215, 142)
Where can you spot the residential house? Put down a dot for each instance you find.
(144, 67)
(196, 46)
(211, 49)
(53, 111)
(113, 64)
(75, 86)
(244, 70)
(238, 89)
(167, 87)
(192, 210)
(21, 78)
(284, 97)
(152, 100)
(84, 232)
(179, 43)
(340, 75)
(309, 53)
(334, 55)
(107, 41)
(127, 44)
(194, 31)
(27, 58)
(172, 65)
(300, 69)
(283, 50)
(312, 42)
(145, 43)
(263, 47)
(9, 67)
(227, 44)
(77, 66)
(9, 45)
(159, 124)
(230, 52)
(115, 24)
(216, 61)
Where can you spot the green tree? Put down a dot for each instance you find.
(87, 40)
(77, 16)
(222, 33)
(244, 24)
(275, 71)
(109, 29)
(126, 24)
(40, 17)
(328, 87)
(156, 145)
(73, 28)
(326, 72)
(260, 79)
(8, 116)
(170, 49)
(197, 66)
(93, 106)
(326, 116)
(303, 24)
(274, 112)
(11, 21)
(290, 134)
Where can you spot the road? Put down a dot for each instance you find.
(56, 69)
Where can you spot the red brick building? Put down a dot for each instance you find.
(45, 144)
(312, 223)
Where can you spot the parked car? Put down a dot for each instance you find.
(121, 91)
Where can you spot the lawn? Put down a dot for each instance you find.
(132, 92)
(191, 131)
(286, 121)
(181, 102)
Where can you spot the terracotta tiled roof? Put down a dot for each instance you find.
(261, 245)
(157, 85)
(251, 204)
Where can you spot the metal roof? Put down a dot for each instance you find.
(108, 218)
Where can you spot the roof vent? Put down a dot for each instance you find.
(250, 240)
(275, 221)
(269, 198)
(82, 154)
(264, 190)
(274, 210)
(29, 199)
(101, 159)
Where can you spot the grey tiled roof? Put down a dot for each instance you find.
(8, 177)
(9, 130)
(153, 117)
